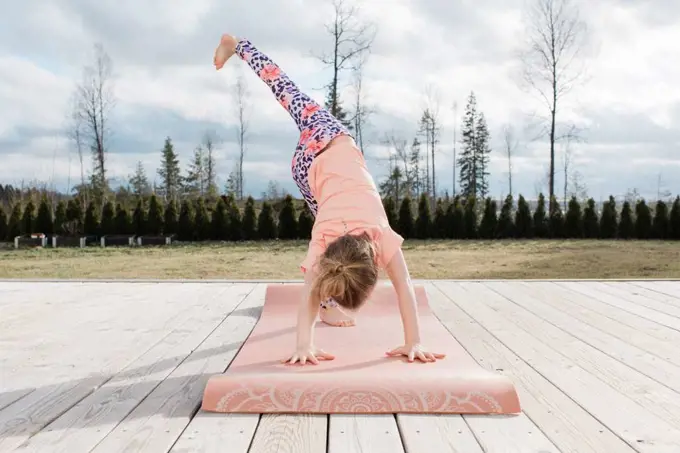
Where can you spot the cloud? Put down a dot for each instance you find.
(628, 105)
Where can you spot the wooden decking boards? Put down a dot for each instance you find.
(120, 367)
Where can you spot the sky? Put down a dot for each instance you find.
(626, 105)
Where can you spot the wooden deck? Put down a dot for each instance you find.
(121, 367)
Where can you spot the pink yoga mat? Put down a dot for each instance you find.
(361, 379)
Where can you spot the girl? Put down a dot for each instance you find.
(351, 237)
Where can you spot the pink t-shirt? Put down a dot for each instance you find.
(348, 202)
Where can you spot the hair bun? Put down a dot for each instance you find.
(339, 268)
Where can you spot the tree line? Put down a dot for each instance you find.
(458, 218)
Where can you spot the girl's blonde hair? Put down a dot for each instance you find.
(347, 271)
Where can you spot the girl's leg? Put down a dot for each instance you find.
(298, 104)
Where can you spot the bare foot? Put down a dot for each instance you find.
(334, 316)
(224, 51)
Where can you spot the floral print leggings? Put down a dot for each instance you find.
(317, 125)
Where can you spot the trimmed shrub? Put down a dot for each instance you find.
(220, 221)
(186, 221)
(609, 220)
(470, 218)
(44, 223)
(391, 212)
(523, 221)
(555, 220)
(108, 225)
(28, 219)
(139, 219)
(627, 224)
(439, 223)
(643, 220)
(455, 219)
(75, 216)
(234, 221)
(674, 220)
(202, 221)
(660, 223)
(91, 223)
(540, 221)
(14, 222)
(154, 221)
(305, 223)
(123, 220)
(60, 219)
(489, 224)
(573, 222)
(506, 227)
(4, 227)
(171, 219)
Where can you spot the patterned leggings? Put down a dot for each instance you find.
(317, 125)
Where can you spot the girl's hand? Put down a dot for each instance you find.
(310, 353)
(416, 351)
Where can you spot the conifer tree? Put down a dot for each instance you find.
(406, 227)
(44, 223)
(266, 226)
(591, 226)
(391, 212)
(455, 219)
(75, 215)
(171, 218)
(28, 219)
(643, 220)
(220, 221)
(305, 223)
(489, 225)
(470, 218)
(424, 220)
(139, 217)
(287, 219)
(154, 223)
(661, 224)
(627, 223)
(14, 222)
(249, 220)
(123, 222)
(573, 222)
(440, 223)
(234, 220)
(186, 221)
(523, 220)
(169, 172)
(473, 161)
(60, 219)
(202, 221)
(92, 219)
(540, 220)
(4, 227)
(674, 220)
(555, 219)
(609, 222)
(108, 225)
(506, 226)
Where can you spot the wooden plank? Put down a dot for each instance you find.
(671, 289)
(550, 291)
(650, 290)
(210, 433)
(645, 312)
(642, 428)
(622, 348)
(11, 396)
(626, 293)
(426, 433)
(89, 421)
(283, 433)
(59, 388)
(358, 433)
(550, 418)
(157, 423)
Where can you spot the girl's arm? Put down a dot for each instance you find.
(307, 312)
(401, 280)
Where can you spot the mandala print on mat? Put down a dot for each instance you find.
(317, 126)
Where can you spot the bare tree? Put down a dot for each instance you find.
(429, 126)
(510, 146)
(556, 36)
(74, 132)
(209, 140)
(572, 177)
(455, 143)
(351, 39)
(242, 95)
(94, 99)
(361, 110)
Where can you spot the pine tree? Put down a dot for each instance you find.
(489, 224)
(195, 183)
(334, 105)
(171, 219)
(287, 219)
(266, 227)
(108, 225)
(154, 223)
(482, 152)
(609, 222)
(139, 182)
(139, 219)
(185, 223)
(28, 219)
(455, 222)
(202, 221)
(555, 219)
(643, 220)
(506, 226)
(540, 221)
(305, 223)
(60, 219)
(14, 222)
(75, 216)
(523, 220)
(591, 226)
(4, 227)
(220, 221)
(424, 220)
(661, 224)
(470, 218)
(44, 223)
(440, 223)
(573, 222)
(123, 221)
(169, 172)
(249, 220)
(674, 220)
(234, 220)
(467, 161)
(406, 227)
(627, 224)
(91, 223)
(391, 212)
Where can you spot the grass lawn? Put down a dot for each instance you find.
(426, 259)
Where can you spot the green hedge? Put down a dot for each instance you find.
(199, 220)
